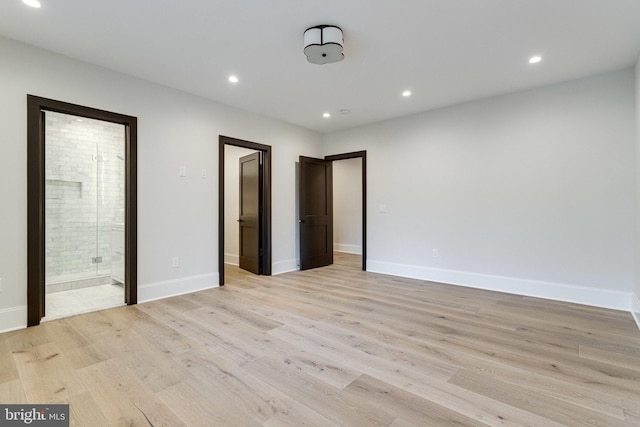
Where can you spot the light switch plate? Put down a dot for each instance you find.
(183, 171)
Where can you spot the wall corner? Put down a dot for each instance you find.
(635, 298)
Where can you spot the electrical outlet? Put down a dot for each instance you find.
(203, 173)
(175, 262)
(382, 208)
(182, 171)
(434, 253)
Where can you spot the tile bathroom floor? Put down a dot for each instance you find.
(84, 300)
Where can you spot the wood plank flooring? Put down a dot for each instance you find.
(332, 347)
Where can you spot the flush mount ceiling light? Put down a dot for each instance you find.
(406, 93)
(32, 3)
(535, 59)
(323, 44)
(233, 79)
(326, 115)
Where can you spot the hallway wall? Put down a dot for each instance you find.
(347, 205)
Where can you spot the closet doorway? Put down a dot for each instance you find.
(316, 210)
(244, 216)
(349, 207)
(82, 209)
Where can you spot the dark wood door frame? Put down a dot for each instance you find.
(363, 156)
(36, 107)
(266, 202)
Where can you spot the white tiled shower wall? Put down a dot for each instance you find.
(84, 176)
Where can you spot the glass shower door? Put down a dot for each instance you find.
(70, 208)
(110, 205)
(84, 201)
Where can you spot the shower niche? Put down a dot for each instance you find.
(84, 202)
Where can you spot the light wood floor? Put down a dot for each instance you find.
(332, 347)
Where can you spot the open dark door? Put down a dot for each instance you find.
(316, 213)
(249, 221)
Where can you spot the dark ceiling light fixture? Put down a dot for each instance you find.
(323, 44)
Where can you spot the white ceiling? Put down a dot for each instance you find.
(444, 51)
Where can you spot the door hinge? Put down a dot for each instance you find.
(260, 251)
(96, 260)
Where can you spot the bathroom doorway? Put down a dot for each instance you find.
(81, 210)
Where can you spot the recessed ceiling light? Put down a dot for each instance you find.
(406, 93)
(326, 115)
(345, 111)
(233, 79)
(32, 3)
(535, 59)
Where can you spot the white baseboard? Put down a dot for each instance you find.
(350, 249)
(287, 266)
(170, 288)
(554, 291)
(13, 318)
(232, 259)
(635, 309)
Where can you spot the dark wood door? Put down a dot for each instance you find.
(249, 221)
(316, 213)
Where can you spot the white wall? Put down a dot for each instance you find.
(232, 155)
(177, 216)
(347, 205)
(635, 303)
(531, 193)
